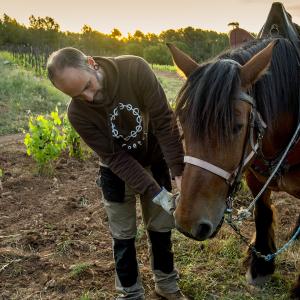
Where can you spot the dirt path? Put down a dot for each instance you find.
(11, 139)
(169, 74)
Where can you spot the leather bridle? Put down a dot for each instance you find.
(233, 179)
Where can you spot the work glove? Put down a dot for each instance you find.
(166, 200)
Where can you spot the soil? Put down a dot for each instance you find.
(168, 74)
(54, 238)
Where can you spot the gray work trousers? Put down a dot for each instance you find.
(122, 225)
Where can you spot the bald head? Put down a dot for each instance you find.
(76, 74)
(65, 58)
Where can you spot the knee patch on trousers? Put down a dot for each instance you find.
(113, 187)
(125, 260)
(161, 245)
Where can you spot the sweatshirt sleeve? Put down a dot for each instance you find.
(119, 161)
(161, 117)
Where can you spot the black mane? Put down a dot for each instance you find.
(205, 102)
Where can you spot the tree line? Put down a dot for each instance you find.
(45, 35)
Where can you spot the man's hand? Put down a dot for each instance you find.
(166, 200)
(178, 182)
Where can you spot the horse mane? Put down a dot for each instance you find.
(205, 103)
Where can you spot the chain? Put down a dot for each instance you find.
(267, 257)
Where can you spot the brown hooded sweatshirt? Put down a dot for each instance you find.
(133, 126)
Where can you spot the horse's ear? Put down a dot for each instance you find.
(256, 66)
(185, 63)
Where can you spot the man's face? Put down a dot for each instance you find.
(81, 84)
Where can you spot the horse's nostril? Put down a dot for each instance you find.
(204, 230)
(180, 229)
(201, 232)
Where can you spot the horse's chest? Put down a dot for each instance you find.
(262, 177)
(293, 157)
(284, 178)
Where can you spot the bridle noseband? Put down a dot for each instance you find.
(233, 179)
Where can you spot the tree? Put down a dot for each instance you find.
(116, 33)
(170, 35)
(11, 32)
(138, 35)
(134, 49)
(46, 23)
(151, 37)
(86, 29)
(198, 43)
(158, 55)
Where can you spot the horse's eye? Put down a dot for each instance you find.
(237, 128)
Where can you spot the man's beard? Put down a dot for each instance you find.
(99, 95)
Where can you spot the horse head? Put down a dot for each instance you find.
(216, 115)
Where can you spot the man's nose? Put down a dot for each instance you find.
(88, 96)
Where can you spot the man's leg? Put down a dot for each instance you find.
(122, 224)
(159, 225)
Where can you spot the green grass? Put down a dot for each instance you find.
(85, 296)
(171, 87)
(164, 68)
(214, 270)
(96, 295)
(21, 94)
(79, 269)
(64, 247)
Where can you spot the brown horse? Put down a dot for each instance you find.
(238, 113)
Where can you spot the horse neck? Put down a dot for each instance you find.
(278, 134)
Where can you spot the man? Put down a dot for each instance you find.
(120, 110)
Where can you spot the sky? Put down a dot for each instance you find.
(148, 15)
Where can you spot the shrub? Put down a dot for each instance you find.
(72, 140)
(44, 141)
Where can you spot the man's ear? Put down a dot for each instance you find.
(91, 62)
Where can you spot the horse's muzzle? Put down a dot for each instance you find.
(185, 233)
(199, 233)
(202, 231)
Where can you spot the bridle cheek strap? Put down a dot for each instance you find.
(229, 177)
